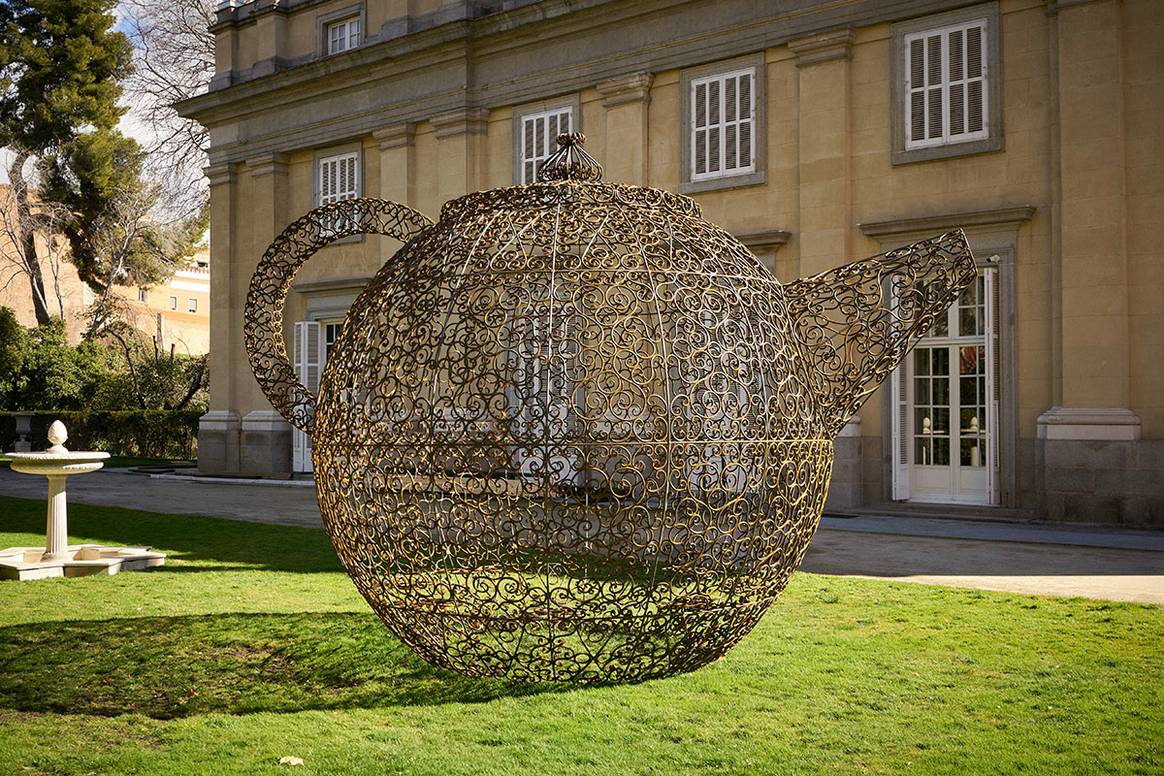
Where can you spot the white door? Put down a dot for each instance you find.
(313, 343)
(945, 402)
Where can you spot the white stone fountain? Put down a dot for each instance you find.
(58, 558)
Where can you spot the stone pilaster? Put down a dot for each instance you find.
(397, 162)
(218, 429)
(1091, 298)
(461, 162)
(267, 213)
(826, 213)
(627, 100)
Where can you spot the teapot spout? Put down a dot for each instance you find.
(857, 322)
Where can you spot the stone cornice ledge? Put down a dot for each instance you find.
(467, 121)
(1094, 423)
(1007, 216)
(765, 239)
(629, 88)
(822, 47)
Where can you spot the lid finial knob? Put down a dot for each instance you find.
(570, 162)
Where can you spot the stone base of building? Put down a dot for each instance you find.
(218, 437)
(258, 445)
(265, 445)
(1096, 469)
(845, 488)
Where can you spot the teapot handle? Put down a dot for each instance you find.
(263, 333)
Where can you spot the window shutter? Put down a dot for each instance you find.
(699, 126)
(899, 417)
(975, 71)
(992, 383)
(722, 118)
(539, 136)
(306, 363)
(746, 118)
(945, 85)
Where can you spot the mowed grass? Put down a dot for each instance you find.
(251, 644)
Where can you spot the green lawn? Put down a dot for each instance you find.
(251, 644)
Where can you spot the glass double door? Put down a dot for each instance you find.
(948, 405)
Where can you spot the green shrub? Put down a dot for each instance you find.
(133, 434)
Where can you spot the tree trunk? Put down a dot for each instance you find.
(27, 238)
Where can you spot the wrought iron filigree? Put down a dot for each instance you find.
(574, 432)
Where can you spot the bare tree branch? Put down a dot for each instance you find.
(174, 60)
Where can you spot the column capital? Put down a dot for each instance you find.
(822, 47)
(465, 121)
(267, 164)
(765, 240)
(635, 87)
(395, 136)
(219, 174)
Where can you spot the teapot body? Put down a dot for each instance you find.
(566, 441)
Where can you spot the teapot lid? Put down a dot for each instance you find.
(570, 176)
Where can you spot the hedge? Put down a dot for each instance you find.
(132, 434)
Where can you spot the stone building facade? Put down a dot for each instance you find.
(817, 133)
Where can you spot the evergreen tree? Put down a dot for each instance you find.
(60, 67)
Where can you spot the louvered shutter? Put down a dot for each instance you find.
(306, 361)
(945, 85)
(539, 136)
(899, 401)
(990, 285)
(722, 123)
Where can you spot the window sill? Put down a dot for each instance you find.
(727, 182)
(947, 151)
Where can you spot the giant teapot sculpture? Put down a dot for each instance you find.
(574, 432)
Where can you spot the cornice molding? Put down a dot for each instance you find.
(465, 121)
(635, 87)
(396, 136)
(822, 47)
(998, 217)
(765, 240)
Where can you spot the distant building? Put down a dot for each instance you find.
(817, 133)
(177, 311)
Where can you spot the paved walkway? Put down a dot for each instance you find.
(1112, 564)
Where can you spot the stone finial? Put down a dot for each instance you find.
(57, 434)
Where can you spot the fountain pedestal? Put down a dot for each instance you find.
(58, 558)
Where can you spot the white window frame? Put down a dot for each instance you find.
(946, 138)
(173, 303)
(694, 129)
(350, 29)
(521, 174)
(142, 295)
(192, 304)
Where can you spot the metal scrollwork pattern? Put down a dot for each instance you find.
(263, 332)
(857, 322)
(572, 432)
